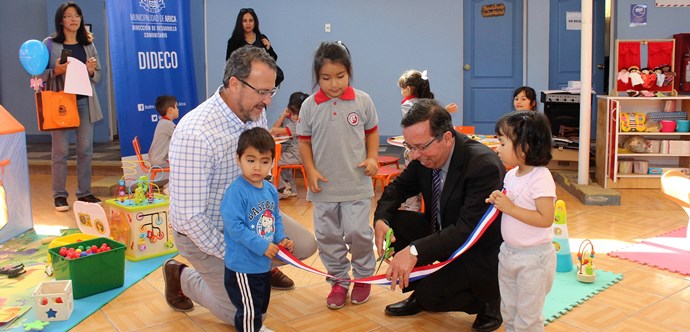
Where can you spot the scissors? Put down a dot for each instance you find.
(387, 250)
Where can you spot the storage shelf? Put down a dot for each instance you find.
(644, 133)
(609, 136)
(664, 98)
(652, 155)
(639, 175)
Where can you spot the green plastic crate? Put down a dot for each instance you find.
(91, 274)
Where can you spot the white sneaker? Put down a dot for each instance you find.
(265, 329)
(285, 194)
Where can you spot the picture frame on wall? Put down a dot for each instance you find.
(88, 27)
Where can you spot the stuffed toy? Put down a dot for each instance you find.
(648, 78)
(636, 144)
(623, 75)
(659, 76)
(668, 74)
(634, 74)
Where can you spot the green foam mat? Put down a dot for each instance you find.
(567, 293)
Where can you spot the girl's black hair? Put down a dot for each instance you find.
(334, 51)
(238, 32)
(530, 133)
(83, 37)
(296, 100)
(420, 85)
(529, 94)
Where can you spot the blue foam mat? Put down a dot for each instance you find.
(85, 307)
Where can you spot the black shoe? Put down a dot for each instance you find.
(489, 318)
(89, 199)
(61, 204)
(407, 307)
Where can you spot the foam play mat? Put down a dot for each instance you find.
(28, 254)
(669, 251)
(567, 293)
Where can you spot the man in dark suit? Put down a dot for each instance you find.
(469, 172)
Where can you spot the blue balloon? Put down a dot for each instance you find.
(33, 55)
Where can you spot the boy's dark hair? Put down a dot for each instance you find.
(334, 51)
(530, 133)
(296, 100)
(258, 138)
(440, 120)
(163, 102)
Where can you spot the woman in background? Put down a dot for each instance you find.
(247, 32)
(70, 33)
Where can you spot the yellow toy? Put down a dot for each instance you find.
(560, 238)
(633, 122)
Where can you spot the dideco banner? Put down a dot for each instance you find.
(151, 55)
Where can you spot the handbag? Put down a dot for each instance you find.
(56, 110)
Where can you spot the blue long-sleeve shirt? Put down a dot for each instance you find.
(251, 221)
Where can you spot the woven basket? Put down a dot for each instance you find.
(656, 116)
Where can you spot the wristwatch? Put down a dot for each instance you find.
(413, 250)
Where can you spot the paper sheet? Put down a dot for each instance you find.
(77, 78)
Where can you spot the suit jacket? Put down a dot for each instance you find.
(473, 173)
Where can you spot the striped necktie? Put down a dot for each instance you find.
(436, 199)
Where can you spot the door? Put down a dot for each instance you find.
(564, 52)
(565, 46)
(492, 50)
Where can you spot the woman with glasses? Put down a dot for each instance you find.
(455, 174)
(247, 32)
(70, 34)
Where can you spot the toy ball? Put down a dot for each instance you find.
(33, 55)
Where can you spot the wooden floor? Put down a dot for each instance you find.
(647, 299)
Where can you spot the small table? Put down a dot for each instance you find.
(489, 140)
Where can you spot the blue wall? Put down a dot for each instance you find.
(385, 37)
(662, 23)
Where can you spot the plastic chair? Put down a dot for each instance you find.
(465, 129)
(389, 160)
(295, 168)
(145, 165)
(676, 186)
(385, 175)
(274, 172)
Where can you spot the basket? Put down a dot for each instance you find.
(91, 274)
(656, 116)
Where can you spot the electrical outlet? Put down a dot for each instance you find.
(327, 28)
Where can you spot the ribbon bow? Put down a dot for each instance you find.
(424, 77)
(36, 83)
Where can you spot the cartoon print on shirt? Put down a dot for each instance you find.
(265, 225)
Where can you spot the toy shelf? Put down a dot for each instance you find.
(610, 136)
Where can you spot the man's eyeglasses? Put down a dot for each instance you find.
(263, 93)
(424, 146)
